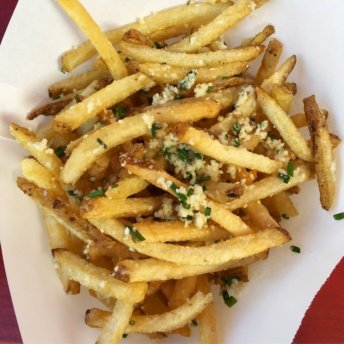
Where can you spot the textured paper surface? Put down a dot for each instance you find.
(272, 305)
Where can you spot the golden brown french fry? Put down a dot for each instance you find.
(107, 97)
(204, 144)
(283, 97)
(98, 279)
(212, 31)
(325, 168)
(129, 128)
(284, 205)
(226, 98)
(41, 176)
(209, 59)
(77, 82)
(268, 186)
(218, 253)
(225, 219)
(173, 231)
(270, 61)
(299, 120)
(126, 187)
(183, 290)
(280, 76)
(172, 74)
(179, 16)
(37, 148)
(89, 27)
(116, 324)
(335, 140)
(145, 270)
(207, 319)
(165, 322)
(103, 207)
(284, 125)
(260, 37)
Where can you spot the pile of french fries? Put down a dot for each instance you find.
(168, 167)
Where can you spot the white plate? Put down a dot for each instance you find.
(272, 305)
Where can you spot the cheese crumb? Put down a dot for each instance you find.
(202, 89)
(169, 93)
(148, 119)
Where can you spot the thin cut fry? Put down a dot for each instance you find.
(268, 186)
(172, 17)
(103, 207)
(260, 215)
(270, 61)
(145, 270)
(172, 74)
(126, 187)
(115, 325)
(283, 97)
(129, 128)
(208, 59)
(212, 31)
(218, 253)
(165, 322)
(98, 279)
(283, 205)
(90, 28)
(260, 37)
(325, 168)
(284, 125)
(204, 144)
(79, 113)
(280, 76)
(37, 148)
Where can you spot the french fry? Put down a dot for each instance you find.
(208, 59)
(37, 148)
(103, 207)
(284, 125)
(172, 74)
(51, 108)
(204, 144)
(260, 215)
(280, 76)
(126, 187)
(283, 205)
(335, 140)
(77, 82)
(41, 176)
(79, 113)
(173, 231)
(217, 253)
(98, 279)
(207, 319)
(270, 61)
(299, 120)
(129, 128)
(212, 31)
(225, 219)
(226, 98)
(90, 28)
(165, 322)
(183, 290)
(145, 270)
(260, 37)
(116, 324)
(283, 97)
(268, 186)
(325, 168)
(174, 17)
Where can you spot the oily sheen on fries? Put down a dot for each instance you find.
(166, 169)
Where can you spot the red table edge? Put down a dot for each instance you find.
(322, 323)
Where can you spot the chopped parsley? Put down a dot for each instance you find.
(102, 143)
(209, 89)
(60, 151)
(286, 216)
(132, 322)
(119, 111)
(236, 128)
(179, 195)
(154, 128)
(75, 194)
(290, 169)
(63, 70)
(228, 300)
(284, 177)
(135, 234)
(207, 211)
(202, 179)
(96, 193)
(224, 77)
(295, 249)
(114, 185)
(191, 192)
(339, 216)
(236, 142)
